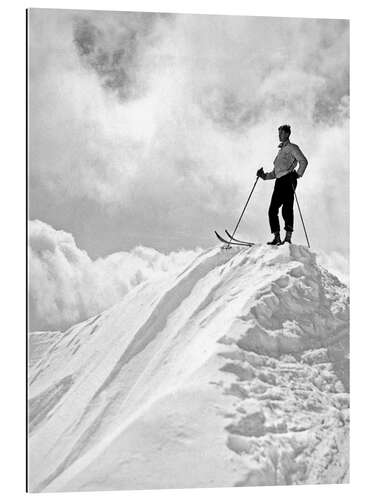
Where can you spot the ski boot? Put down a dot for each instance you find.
(288, 237)
(276, 240)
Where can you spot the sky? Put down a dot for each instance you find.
(146, 130)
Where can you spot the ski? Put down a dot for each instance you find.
(223, 240)
(237, 240)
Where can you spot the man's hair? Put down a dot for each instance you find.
(286, 128)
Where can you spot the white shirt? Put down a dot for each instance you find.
(286, 161)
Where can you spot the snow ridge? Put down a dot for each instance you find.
(235, 372)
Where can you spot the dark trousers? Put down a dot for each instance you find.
(282, 196)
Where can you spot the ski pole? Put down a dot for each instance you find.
(300, 213)
(243, 211)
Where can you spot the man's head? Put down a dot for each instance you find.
(284, 132)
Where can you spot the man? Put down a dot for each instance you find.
(286, 182)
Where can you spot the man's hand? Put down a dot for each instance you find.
(261, 174)
(295, 174)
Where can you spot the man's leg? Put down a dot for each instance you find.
(287, 209)
(273, 215)
(273, 211)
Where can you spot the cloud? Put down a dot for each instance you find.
(113, 48)
(335, 263)
(67, 286)
(162, 122)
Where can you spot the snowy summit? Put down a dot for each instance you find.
(233, 373)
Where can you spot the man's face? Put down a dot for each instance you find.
(283, 135)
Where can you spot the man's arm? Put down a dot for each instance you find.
(269, 175)
(266, 176)
(302, 160)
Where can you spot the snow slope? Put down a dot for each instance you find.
(234, 373)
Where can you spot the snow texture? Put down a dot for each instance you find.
(233, 373)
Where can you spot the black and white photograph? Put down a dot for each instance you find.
(187, 250)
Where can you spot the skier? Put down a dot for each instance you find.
(286, 182)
